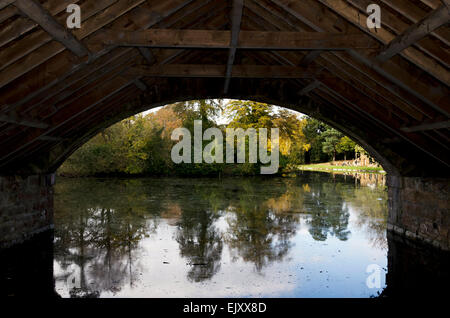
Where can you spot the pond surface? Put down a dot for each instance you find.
(315, 235)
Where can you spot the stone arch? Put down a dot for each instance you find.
(273, 92)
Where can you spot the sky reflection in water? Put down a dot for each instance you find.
(310, 236)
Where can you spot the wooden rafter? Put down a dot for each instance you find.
(431, 22)
(45, 52)
(22, 121)
(362, 83)
(309, 57)
(310, 87)
(140, 84)
(351, 14)
(395, 78)
(415, 14)
(424, 127)
(399, 26)
(5, 3)
(38, 14)
(60, 118)
(22, 25)
(236, 17)
(148, 55)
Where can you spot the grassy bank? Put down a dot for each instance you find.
(331, 168)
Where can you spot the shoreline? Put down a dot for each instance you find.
(326, 167)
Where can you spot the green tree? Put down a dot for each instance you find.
(332, 138)
(345, 145)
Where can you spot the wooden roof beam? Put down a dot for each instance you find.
(70, 112)
(218, 71)
(51, 49)
(389, 74)
(258, 40)
(38, 14)
(308, 58)
(309, 88)
(421, 29)
(415, 14)
(141, 85)
(22, 25)
(352, 97)
(434, 4)
(417, 57)
(430, 126)
(22, 121)
(51, 138)
(5, 3)
(148, 55)
(236, 18)
(391, 20)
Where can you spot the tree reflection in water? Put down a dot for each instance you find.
(101, 225)
(98, 231)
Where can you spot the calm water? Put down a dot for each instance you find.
(310, 236)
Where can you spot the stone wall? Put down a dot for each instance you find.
(419, 208)
(26, 207)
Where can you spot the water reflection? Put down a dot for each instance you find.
(284, 237)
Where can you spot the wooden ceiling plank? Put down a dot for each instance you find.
(433, 4)
(36, 12)
(7, 13)
(159, 10)
(414, 139)
(415, 14)
(60, 118)
(314, 15)
(5, 3)
(392, 21)
(362, 119)
(269, 14)
(33, 41)
(414, 33)
(22, 25)
(66, 87)
(377, 92)
(156, 57)
(198, 9)
(422, 61)
(81, 88)
(91, 25)
(78, 121)
(369, 89)
(370, 76)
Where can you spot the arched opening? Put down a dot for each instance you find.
(304, 105)
(271, 230)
